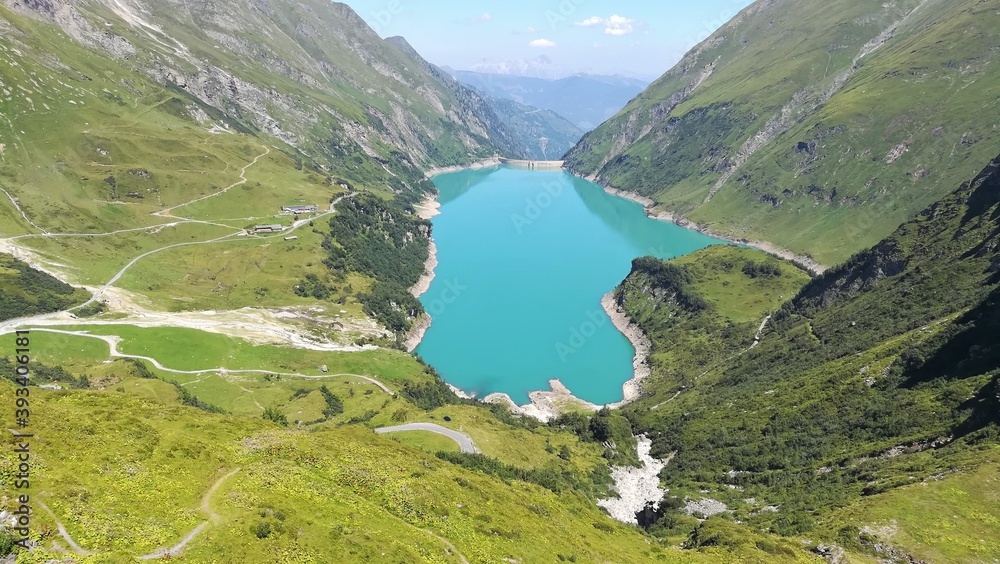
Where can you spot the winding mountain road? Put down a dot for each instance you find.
(101, 292)
(465, 443)
(114, 340)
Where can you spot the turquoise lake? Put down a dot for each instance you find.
(524, 258)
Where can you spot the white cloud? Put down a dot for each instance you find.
(618, 25)
(483, 18)
(590, 22)
(614, 25)
(542, 43)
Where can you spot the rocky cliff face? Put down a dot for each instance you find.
(819, 126)
(311, 74)
(963, 227)
(663, 285)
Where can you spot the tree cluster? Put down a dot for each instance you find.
(755, 269)
(25, 291)
(378, 238)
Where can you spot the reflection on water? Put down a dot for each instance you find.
(462, 182)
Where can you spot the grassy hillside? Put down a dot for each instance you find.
(152, 94)
(703, 307)
(879, 375)
(149, 137)
(818, 126)
(127, 471)
(305, 496)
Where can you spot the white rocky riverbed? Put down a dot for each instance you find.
(635, 486)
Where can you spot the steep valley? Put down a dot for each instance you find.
(876, 375)
(211, 240)
(817, 128)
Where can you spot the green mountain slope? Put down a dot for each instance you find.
(881, 373)
(310, 74)
(127, 472)
(156, 133)
(817, 126)
(339, 494)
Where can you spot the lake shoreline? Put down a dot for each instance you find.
(548, 405)
(802, 261)
(426, 209)
(544, 405)
(631, 389)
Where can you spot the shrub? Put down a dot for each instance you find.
(262, 530)
(6, 543)
(191, 400)
(761, 269)
(272, 414)
(334, 406)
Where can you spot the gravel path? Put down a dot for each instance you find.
(64, 533)
(212, 517)
(163, 552)
(113, 340)
(242, 180)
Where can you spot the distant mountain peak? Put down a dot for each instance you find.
(403, 45)
(585, 99)
(538, 67)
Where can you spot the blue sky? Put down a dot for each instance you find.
(634, 37)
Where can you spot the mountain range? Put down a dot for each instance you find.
(817, 137)
(539, 132)
(213, 220)
(537, 67)
(586, 100)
